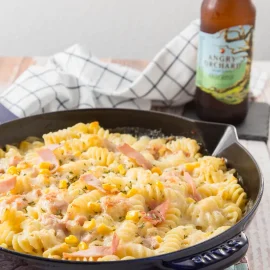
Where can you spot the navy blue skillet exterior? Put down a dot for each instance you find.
(220, 140)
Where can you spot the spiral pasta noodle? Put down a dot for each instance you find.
(35, 242)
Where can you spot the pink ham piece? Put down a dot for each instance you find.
(133, 154)
(14, 161)
(95, 251)
(47, 155)
(53, 147)
(92, 181)
(109, 145)
(8, 184)
(115, 243)
(34, 172)
(189, 180)
(157, 215)
(150, 242)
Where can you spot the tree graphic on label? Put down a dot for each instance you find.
(224, 63)
(247, 38)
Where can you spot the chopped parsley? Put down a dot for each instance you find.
(58, 212)
(141, 226)
(121, 218)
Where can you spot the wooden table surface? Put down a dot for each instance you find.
(258, 231)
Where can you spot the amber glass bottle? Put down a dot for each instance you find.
(224, 60)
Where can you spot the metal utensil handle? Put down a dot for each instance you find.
(219, 257)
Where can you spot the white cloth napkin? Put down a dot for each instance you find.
(76, 79)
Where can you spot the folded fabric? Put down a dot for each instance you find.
(76, 79)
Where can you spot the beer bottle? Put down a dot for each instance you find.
(224, 60)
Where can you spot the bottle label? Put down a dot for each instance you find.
(224, 63)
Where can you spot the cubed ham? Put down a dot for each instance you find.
(157, 215)
(92, 181)
(131, 153)
(47, 155)
(196, 196)
(7, 184)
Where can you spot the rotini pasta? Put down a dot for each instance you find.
(88, 194)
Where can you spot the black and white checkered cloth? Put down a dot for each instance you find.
(76, 79)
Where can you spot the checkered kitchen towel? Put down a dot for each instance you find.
(76, 79)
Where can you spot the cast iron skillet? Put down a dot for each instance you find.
(221, 140)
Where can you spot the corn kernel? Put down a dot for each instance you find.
(45, 165)
(77, 154)
(93, 127)
(63, 184)
(192, 166)
(46, 181)
(190, 200)
(71, 240)
(94, 124)
(159, 239)
(13, 170)
(132, 192)
(89, 225)
(3, 245)
(24, 145)
(94, 207)
(121, 169)
(160, 185)
(133, 215)
(13, 191)
(46, 190)
(109, 187)
(44, 171)
(83, 246)
(104, 229)
(34, 215)
(162, 151)
(156, 170)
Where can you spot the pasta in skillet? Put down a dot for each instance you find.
(87, 194)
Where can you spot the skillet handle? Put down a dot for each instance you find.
(6, 115)
(219, 257)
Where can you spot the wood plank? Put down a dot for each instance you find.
(258, 231)
(11, 68)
